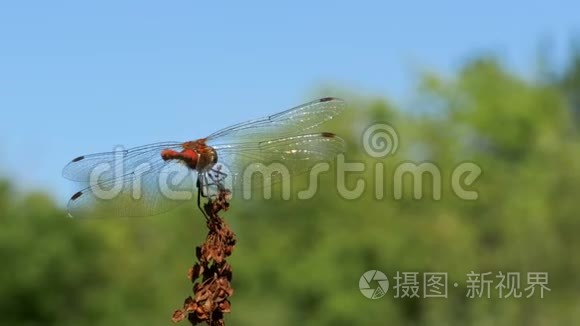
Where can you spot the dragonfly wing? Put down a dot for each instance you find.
(136, 194)
(117, 163)
(299, 119)
(281, 157)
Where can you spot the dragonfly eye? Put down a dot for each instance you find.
(215, 157)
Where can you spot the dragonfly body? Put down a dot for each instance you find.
(195, 154)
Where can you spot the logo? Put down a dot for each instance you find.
(380, 140)
(373, 284)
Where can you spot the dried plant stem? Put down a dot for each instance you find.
(211, 293)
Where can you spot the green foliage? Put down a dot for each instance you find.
(570, 82)
(299, 262)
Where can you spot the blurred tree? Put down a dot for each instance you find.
(570, 81)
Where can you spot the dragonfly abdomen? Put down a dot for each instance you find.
(188, 157)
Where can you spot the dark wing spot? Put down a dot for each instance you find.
(78, 158)
(326, 99)
(76, 196)
(328, 134)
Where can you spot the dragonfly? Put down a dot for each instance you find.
(152, 179)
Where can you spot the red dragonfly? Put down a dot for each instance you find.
(152, 179)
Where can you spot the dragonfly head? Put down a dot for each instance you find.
(207, 158)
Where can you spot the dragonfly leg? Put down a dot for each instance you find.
(217, 171)
(218, 177)
(213, 180)
(204, 182)
(199, 195)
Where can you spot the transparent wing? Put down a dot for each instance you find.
(120, 162)
(137, 182)
(136, 194)
(281, 157)
(299, 119)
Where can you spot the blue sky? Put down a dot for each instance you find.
(82, 76)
